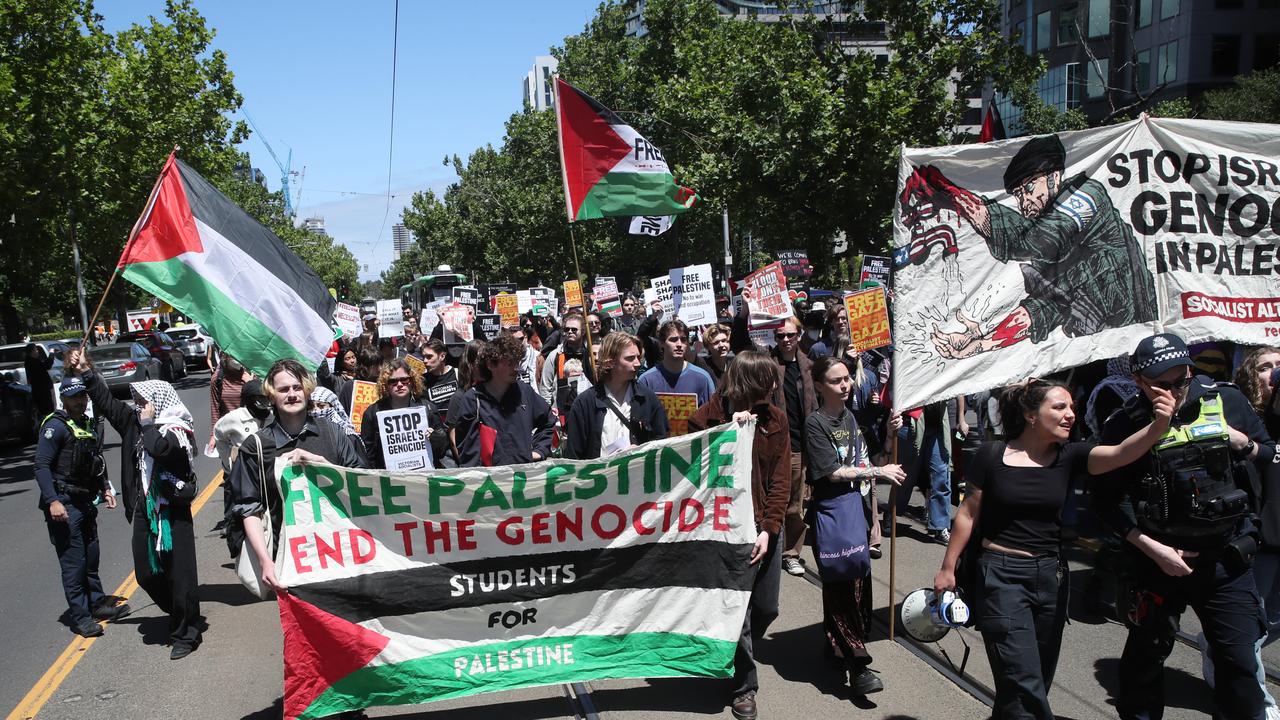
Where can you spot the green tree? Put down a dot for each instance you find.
(1254, 98)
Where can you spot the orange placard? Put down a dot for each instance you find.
(868, 319)
(418, 367)
(572, 293)
(363, 394)
(680, 407)
(508, 307)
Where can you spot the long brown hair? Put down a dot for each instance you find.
(611, 348)
(1018, 401)
(749, 379)
(1247, 375)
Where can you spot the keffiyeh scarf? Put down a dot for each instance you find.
(174, 419)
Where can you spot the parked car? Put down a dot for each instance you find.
(163, 348)
(12, 366)
(58, 349)
(194, 343)
(122, 363)
(18, 421)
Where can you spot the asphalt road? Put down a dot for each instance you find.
(236, 673)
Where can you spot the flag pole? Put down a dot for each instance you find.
(586, 326)
(893, 541)
(133, 233)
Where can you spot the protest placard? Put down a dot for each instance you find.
(390, 319)
(680, 407)
(508, 308)
(467, 295)
(416, 365)
(693, 294)
(363, 394)
(457, 323)
(347, 318)
(430, 317)
(769, 303)
(795, 263)
(450, 583)
(491, 325)
(877, 268)
(405, 435)
(652, 225)
(661, 287)
(544, 301)
(572, 294)
(524, 301)
(868, 319)
(605, 289)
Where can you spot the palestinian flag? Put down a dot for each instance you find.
(609, 169)
(196, 250)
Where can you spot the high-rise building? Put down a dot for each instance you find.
(401, 240)
(539, 93)
(1107, 57)
(315, 224)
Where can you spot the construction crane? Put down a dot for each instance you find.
(286, 170)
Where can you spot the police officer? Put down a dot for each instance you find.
(1184, 510)
(72, 476)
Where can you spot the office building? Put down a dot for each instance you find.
(401, 240)
(315, 224)
(1119, 57)
(539, 94)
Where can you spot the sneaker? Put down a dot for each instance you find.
(744, 706)
(942, 537)
(112, 613)
(87, 628)
(864, 682)
(875, 552)
(793, 566)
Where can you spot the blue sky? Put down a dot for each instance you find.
(316, 78)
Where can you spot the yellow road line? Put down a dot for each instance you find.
(48, 683)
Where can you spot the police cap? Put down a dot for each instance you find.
(71, 386)
(1158, 354)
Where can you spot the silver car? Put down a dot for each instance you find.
(122, 363)
(12, 356)
(194, 343)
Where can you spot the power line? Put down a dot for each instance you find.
(391, 141)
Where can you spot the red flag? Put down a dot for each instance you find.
(992, 127)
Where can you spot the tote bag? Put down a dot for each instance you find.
(841, 542)
(248, 568)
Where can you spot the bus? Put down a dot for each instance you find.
(429, 288)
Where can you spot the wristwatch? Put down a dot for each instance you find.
(1248, 449)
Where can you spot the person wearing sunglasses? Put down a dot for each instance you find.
(795, 395)
(1185, 511)
(398, 388)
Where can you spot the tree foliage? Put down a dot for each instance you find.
(796, 135)
(1254, 98)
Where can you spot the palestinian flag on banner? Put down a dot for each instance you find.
(609, 169)
(198, 251)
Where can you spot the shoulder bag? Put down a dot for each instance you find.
(248, 568)
(841, 535)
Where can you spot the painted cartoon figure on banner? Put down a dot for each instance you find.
(1082, 268)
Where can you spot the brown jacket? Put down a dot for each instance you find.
(808, 399)
(770, 460)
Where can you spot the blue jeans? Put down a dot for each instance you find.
(932, 458)
(76, 542)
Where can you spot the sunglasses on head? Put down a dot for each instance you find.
(1171, 385)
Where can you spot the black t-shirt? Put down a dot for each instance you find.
(831, 443)
(795, 407)
(1022, 506)
(440, 389)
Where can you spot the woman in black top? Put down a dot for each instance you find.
(399, 388)
(1018, 491)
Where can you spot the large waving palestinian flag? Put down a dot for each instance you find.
(410, 587)
(609, 169)
(202, 254)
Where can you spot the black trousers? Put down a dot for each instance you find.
(175, 589)
(1021, 610)
(762, 610)
(1231, 614)
(76, 542)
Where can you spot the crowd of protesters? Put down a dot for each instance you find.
(589, 385)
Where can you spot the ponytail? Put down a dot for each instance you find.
(1017, 401)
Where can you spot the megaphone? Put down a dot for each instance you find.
(928, 617)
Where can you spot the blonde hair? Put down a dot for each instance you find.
(294, 368)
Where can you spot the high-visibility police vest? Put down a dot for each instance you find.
(79, 462)
(1191, 490)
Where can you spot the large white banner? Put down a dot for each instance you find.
(1023, 257)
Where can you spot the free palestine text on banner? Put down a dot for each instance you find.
(1023, 257)
(414, 587)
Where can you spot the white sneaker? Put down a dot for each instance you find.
(793, 566)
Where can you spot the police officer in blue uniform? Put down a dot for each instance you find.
(1185, 511)
(72, 477)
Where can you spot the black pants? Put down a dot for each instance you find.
(1021, 612)
(76, 542)
(1231, 615)
(762, 610)
(175, 589)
